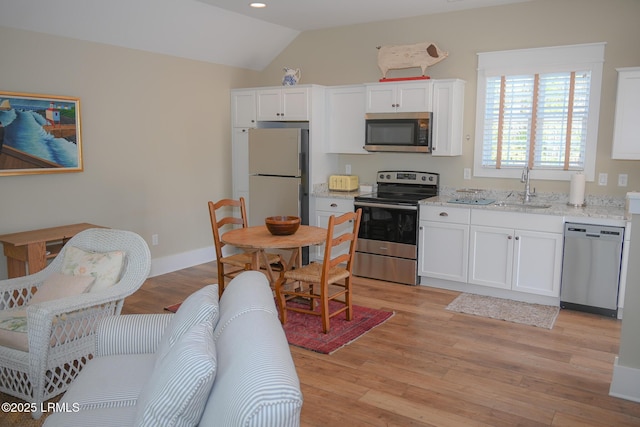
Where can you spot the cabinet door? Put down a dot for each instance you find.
(448, 109)
(324, 208)
(243, 108)
(295, 104)
(381, 98)
(490, 256)
(444, 250)
(626, 128)
(240, 161)
(345, 120)
(269, 106)
(413, 97)
(537, 262)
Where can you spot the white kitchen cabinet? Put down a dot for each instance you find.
(345, 119)
(444, 242)
(324, 208)
(240, 162)
(243, 108)
(243, 118)
(448, 112)
(399, 97)
(283, 104)
(626, 128)
(519, 252)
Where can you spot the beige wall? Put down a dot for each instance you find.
(155, 133)
(348, 55)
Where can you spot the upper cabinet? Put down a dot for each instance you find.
(283, 104)
(626, 129)
(401, 97)
(243, 108)
(345, 119)
(448, 110)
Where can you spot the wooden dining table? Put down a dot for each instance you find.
(257, 239)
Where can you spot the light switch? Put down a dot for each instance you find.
(602, 179)
(622, 180)
(467, 173)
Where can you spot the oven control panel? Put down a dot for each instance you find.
(408, 177)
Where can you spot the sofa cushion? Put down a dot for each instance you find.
(105, 267)
(178, 389)
(101, 417)
(200, 306)
(256, 383)
(248, 291)
(111, 381)
(13, 329)
(59, 285)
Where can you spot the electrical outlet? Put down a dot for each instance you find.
(154, 240)
(347, 169)
(622, 180)
(602, 179)
(467, 173)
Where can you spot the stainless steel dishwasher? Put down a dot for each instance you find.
(591, 268)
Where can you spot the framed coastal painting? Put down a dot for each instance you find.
(39, 134)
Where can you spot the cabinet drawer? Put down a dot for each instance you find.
(445, 214)
(334, 205)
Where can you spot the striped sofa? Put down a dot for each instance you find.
(211, 363)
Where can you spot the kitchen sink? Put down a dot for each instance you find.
(527, 205)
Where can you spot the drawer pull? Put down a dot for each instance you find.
(444, 214)
(334, 205)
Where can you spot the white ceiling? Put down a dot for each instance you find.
(226, 32)
(305, 15)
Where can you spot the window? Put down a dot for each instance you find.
(538, 108)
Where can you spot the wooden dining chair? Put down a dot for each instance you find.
(232, 265)
(320, 283)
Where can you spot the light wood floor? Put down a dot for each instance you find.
(427, 366)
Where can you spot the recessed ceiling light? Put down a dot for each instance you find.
(258, 5)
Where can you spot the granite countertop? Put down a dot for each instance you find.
(596, 207)
(336, 194)
(600, 209)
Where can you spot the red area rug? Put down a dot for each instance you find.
(305, 331)
(173, 308)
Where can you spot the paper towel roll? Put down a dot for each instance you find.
(576, 191)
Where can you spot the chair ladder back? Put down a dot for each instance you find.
(350, 236)
(216, 225)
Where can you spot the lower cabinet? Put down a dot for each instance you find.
(505, 250)
(444, 243)
(324, 208)
(516, 259)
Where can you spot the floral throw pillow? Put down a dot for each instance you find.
(104, 267)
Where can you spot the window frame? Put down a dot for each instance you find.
(584, 57)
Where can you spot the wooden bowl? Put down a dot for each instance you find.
(282, 225)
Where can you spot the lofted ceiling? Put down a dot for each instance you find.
(227, 32)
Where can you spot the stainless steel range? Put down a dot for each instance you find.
(388, 238)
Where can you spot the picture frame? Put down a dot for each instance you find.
(39, 134)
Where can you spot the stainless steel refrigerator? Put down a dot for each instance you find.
(278, 181)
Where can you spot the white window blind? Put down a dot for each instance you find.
(536, 111)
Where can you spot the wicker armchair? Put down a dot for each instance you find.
(61, 332)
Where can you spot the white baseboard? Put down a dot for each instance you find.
(184, 260)
(625, 383)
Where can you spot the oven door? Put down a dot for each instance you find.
(387, 242)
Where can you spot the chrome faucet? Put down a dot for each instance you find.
(525, 179)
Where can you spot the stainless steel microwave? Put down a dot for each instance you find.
(398, 132)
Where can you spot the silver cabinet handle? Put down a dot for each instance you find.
(509, 237)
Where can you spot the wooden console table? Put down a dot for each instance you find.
(36, 246)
